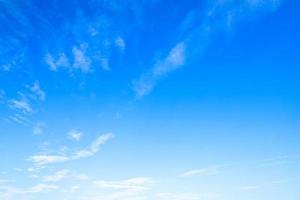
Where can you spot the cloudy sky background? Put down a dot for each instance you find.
(143, 100)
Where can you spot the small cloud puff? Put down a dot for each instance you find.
(75, 135)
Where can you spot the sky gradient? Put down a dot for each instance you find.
(149, 100)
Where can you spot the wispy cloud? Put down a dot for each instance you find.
(81, 61)
(54, 64)
(134, 188)
(37, 91)
(38, 128)
(25, 104)
(22, 104)
(174, 60)
(44, 159)
(201, 172)
(40, 188)
(120, 43)
(57, 176)
(8, 192)
(185, 196)
(136, 184)
(93, 148)
(75, 135)
(220, 16)
(262, 185)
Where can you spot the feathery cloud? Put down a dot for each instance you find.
(40, 188)
(44, 159)
(75, 135)
(57, 176)
(120, 43)
(37, 91)
(201, 172)
(81, 61)
(174, 60)
(220, 16)
(21, 104)
(61, 62)
(38, 128)
(136, 184)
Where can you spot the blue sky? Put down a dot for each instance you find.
(143, 100)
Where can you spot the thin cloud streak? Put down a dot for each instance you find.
(221, 16)
(44, 159)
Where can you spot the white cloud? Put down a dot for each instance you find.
(6, 67)
(38, 128)
(174, 60)
(37, 91)
(250, 187)
(61, 62)
(186, 196)
(21, 104)
(221, 16)
(201, 172)
(130, 189)
(19, 118)
(74, 188)
(40, 188)
(136, 184)
(51, 62)
(81, 61)
(57, 176)
(24, 104)
(11, 192)
(93, 148)
(75, 135)
(48, 159)
(44, 159)
(120, 43)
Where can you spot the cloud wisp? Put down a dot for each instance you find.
(174, 60)
(92, 149)
(23, 105)
(210, 171)
(134, 188)
(135, 184)
(75, 135)
(220, 17)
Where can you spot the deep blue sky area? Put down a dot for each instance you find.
(149, 100)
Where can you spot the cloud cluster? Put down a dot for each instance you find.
(23, 105)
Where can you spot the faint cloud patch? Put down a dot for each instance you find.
(75, 135)
(174, 60)
(210, 171)
(120, 43)
(38, 128)
(45, 159)
(81, 60)
(54, 64)
(37, 91)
